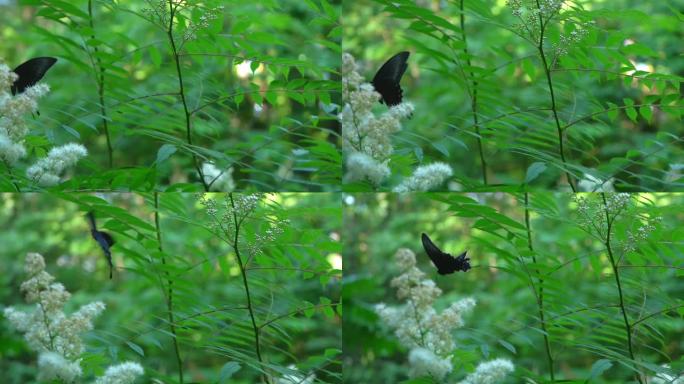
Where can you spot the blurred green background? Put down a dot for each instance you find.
(641, 148)
(300, 269)
(583, 323)
(260, 81)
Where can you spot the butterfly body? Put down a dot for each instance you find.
(386, 80)
(31, 72)
(445, 262)
(104, 240)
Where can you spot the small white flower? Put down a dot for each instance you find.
(124, 373)
(490, 372)
(53, 366)
(47, 170)
(425, 178)
(365, 133)
(10, 151)
(363, 167)
(425, 363)
(34, 263)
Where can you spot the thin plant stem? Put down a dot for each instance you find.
(100, 79)
(540, 296)
(243, 272)
(181, 91)
(169, 296)
(473, 98)
(47, 324)
(554, 109)
(616, 273)
(11, 175)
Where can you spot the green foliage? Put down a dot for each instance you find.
(155, 92)
(558, 268)
(176, 276)
(492, 104)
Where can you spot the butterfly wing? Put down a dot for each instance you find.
(442, 260)
(104, 240)
(91, 221)
(108, 238)
(31, 72)
(462, 263)
(386, 80)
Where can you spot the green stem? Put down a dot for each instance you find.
(11, 175)
(540, 297)
(554, 109)
(169, 297)
(181, 91)
(473, 98)
(100, 75)
(47, 325)
(243, 272)
(616, 273)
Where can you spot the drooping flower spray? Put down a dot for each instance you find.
(425, 332)
(367, 138)
(14, 129)
(56, 336)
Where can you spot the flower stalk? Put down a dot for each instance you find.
(243, 272)
(169, 294)
(540, 294)
(173, 7)
(549, 82)
(616, 274)
(473, 96)
(100, 81)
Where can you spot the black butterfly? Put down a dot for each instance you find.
(104, 239)
(31, 72)
(386, 81)
(444, 262)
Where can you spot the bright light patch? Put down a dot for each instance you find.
(244, 69)
(335, 260)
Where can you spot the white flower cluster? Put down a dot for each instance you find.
(123, 373)
(53, 366)
(424, 362)
(218, 179)
(46, 171)
(225, 216)
(640, 233)
(159, 11)
(50, 332)
(417, 324)
(296, 378)
(592, 218)
(13, 128)
(367, 139)
(48, 329)
(490, 372)
(568, 40)
(363, 167)
(425, 178)
(270, 234)
(203, 23)
(529, 14)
